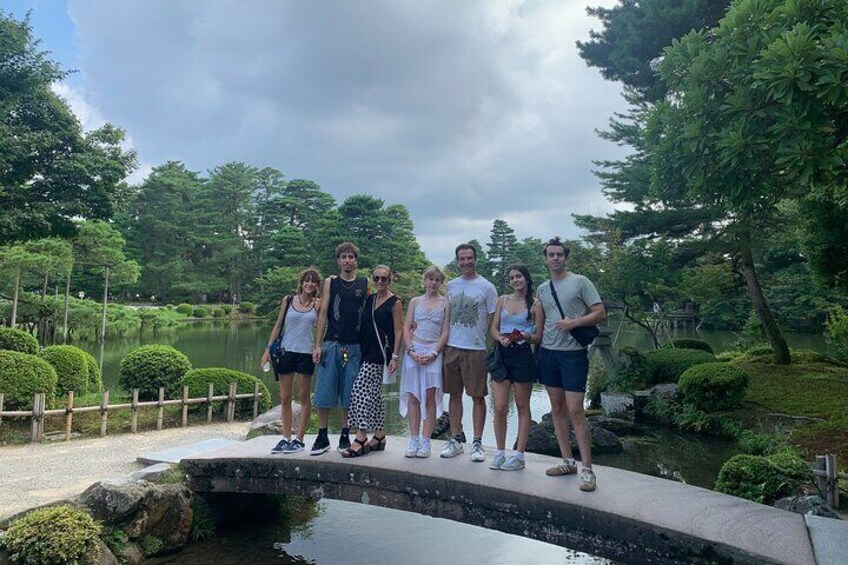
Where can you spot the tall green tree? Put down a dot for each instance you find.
(502, 242)
(51, 172)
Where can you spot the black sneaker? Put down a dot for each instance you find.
(281, 446)
(321, 445)
(344, 442)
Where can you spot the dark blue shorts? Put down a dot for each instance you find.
(519, 363)
(564, 369)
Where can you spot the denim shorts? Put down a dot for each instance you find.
(334, 379)
(564, 369)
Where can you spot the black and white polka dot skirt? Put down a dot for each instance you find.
(366, 399)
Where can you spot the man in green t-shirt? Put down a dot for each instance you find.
(568, 300)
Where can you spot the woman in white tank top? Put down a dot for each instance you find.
(425, 334)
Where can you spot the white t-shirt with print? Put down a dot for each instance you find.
(471, 302)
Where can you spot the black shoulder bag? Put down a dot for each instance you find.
(584, 335)
(276, 348)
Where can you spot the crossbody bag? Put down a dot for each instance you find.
(584, 335)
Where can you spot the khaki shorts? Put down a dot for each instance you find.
(464, 367)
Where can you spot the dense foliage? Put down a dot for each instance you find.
(60, 535)
(837, 334)
(690, 343)
(667, 365)
(72, 368)
(198, 381)
(12, 339)
(714, 386)
(763, 479)
(152, 366)
(22, 375)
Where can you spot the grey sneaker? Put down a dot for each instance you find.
(452, 449)
(294, 446)
(281, 446)
(561, 469)
(587, 480)
(423, 449)
(513, 464)
(478, 454)
(496, 463)
(412, 447)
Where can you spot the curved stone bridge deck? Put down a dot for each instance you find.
(631, 517)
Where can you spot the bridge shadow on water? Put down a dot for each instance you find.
(631, 517)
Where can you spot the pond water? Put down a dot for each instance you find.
(398, 536)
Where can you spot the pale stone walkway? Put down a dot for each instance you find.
(35, 474)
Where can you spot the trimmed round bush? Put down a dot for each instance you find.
(218, 313)
(667, 365)
(728, 356)
(762, 479)
(152, 366)
(689, 343)
(198, 381)
(714, 386)
(246, 307)
(13, 339)
(185, 309)
(71, 367)
(228, 308)
(95, 377)
(57, 535)
(200, 312)
(169, 307)
(22, 375)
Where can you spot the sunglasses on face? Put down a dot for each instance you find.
(378, 278)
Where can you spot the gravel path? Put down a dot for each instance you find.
(35, 474)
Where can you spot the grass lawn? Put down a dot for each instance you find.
(818, 390)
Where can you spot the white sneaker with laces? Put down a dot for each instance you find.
(587, 480)
(412, 447)
(478, 454)
(514, 463)
(452, 449)
(423, 449)
(497, 461)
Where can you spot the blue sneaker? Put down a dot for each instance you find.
(497, 462)
(281, 446)
(294, 446)
(514, 463)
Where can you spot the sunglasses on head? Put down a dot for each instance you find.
(378, 278)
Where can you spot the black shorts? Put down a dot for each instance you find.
(519, 363)
(294, 363)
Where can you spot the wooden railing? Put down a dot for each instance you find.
(39, 409)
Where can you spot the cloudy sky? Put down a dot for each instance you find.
(462, 111)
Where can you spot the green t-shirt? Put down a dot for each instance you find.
(576, 294)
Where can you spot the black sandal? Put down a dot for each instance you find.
(350, 453)
(380, 445)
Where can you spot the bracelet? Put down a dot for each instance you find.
(394, 356)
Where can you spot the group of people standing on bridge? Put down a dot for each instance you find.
(355, 334)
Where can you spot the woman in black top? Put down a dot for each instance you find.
(379, 337)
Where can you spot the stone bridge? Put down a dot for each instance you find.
(631, 517)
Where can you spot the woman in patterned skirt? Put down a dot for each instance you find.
(380, 340)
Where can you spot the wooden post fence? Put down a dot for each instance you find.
(39, 411)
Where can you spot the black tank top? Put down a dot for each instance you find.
(346, 300)
(371, 352)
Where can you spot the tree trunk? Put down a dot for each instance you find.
(646, 326)
(105, 300)
(761, 307)
(15, 299)
(44, 287)
(65, 315)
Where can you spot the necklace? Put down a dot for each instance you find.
(305, 304)
(347, 285)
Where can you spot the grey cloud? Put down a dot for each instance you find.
(462, 111)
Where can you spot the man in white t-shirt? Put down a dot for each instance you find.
(472, 303)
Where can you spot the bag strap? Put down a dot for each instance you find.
(376, 331)
(556, 300)
(287, 300)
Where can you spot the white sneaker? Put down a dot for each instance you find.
(514, 463)
(478, 454)
(587, 480)
(412, 447)
(423, 449)
(452, 449)
(498, 460)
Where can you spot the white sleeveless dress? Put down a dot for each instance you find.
(415, 378)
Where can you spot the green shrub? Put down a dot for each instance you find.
(836, 334)
(94, 375)
(246, 307)
(200, 312)
(202, 520)
(185, 309)
(218, 313)
(762, 479)
(169, 306)
(151, 366)
(598, 380)
(55, 535)
(728, 356)
(668, 364)
(760, 351)
(71, 367)
(753, 442)
(22, 375)
(633, 370)
(228, 308)
(12, 339)
(689, 343)
(714, 386)
(809, 357)
(198, 381)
